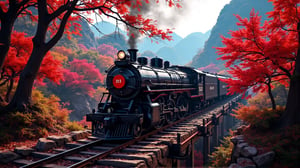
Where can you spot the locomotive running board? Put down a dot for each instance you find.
(168, 90)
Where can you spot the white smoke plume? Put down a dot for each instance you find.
(165, 16)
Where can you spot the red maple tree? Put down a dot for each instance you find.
(88, 70)
(103, 62)
(18, 54)
(79, 77)
(10, 10)
(57, 16)
(107, 50)
(260, 54)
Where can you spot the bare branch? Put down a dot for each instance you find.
(62, 25)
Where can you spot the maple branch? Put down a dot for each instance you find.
(291, 63)
(2, 74)
(4, 82)
(60, 10)
(257, 45)
(62, 25)
(282, 79)
(23, 6)
(1, 13)
(118, 17)
(9, 77)
(282, 68)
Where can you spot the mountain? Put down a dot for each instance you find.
(88, 37)
(226, 22)
(146, 43)
(115, 39)
(107, 32)
(185, 49)
(103, 28)
(25, 24)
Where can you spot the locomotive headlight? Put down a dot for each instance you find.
(121, 55)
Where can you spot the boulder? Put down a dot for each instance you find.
(8, 156)
(234, 165)
(45, 144)
(67, 138)
(236, 152)
(59, 140)
(23, 150)
(264, 160)
(248, 151)
(236, 139)
(78, 135)
(246, 163)
(240, 129)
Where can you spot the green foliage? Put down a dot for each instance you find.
(50, 109)
(222, 155)
(17, 125)
(74, 126)
(46, 115)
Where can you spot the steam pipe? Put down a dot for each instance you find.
(132, 53)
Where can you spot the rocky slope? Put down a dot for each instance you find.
(226, 22)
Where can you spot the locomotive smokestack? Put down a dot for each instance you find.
(166, 64)
(133, 53)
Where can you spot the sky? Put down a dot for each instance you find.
(194, 16)
(199, 16)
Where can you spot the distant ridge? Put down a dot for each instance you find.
(178, 51)
(185, 49)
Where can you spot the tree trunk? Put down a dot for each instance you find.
(22, 96)
(9, 89)
(291, 115)
(7, 21)
(5, 33)
(271, 97)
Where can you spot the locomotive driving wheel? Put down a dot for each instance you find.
(136, 130)
(171, 111)
(162, 121)
(183, 106)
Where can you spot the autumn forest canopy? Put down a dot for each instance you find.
(258, 55)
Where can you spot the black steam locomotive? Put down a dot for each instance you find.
(141, 96)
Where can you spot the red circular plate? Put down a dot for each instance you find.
(119, 81)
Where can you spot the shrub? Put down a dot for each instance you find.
(285, 142)
(222, 155)
(46, 115)
(258, 117)
(73, 126)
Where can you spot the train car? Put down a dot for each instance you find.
(222, 87)
(142, 96)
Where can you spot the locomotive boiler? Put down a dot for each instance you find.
(142, 96)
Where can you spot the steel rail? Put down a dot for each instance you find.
(61, 155)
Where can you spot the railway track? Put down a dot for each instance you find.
(149, 150)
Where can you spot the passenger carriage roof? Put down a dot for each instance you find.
(210, 74)
(206, 73)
